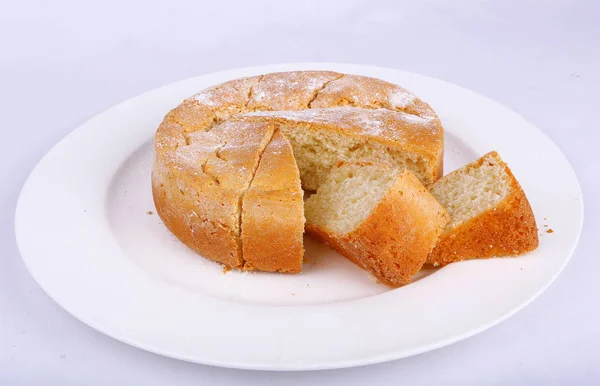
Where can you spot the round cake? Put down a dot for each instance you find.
(233, 162)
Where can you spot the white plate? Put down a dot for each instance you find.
(85, 235)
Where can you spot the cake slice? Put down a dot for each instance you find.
(490, 213)
(273, 212)
(380, 218)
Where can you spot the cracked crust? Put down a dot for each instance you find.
(198, 188)
(273, 212)
(204, 163)
(285, 91)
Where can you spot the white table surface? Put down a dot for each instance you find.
(63, 62)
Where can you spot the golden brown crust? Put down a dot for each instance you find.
(394, 241)
(509, 229)
(201, 173)
(198, 187)
(213, 105)
(286, 91)
(370, 93)
(214, 240)
(273, 212)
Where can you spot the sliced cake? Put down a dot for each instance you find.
(273, 212)
(490, 213)
(380, 218)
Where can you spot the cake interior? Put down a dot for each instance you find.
(473, 189)
(318, 151)
(348, 196)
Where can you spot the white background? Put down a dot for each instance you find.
(63, 62)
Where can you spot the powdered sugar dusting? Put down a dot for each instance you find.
(259, 96)
(394, 125)
(370, 93)
(343, 84)
(372, 125)
(195, 154)
(339, 113)
(206, 98)
(401, 99)
(289, 90)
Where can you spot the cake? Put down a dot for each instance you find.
(222, 167)
(490, 213)
(198, 185)
(382, 219)
(323, 137)
(273, 212)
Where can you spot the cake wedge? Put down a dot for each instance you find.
(382, 219)
(272, 220)
(491, 216)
